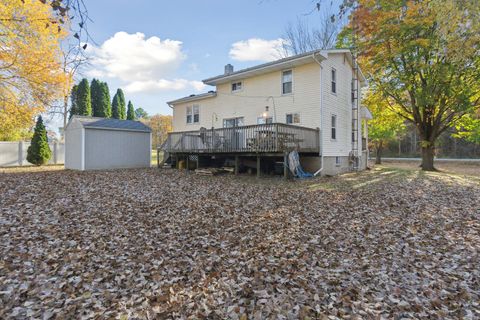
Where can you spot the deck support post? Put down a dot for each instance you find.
(258, 167)
(187, 163)
(158, 158)
(198, 161)
(285, 165)
(236, 164)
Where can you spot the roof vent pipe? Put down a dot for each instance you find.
(228, 69)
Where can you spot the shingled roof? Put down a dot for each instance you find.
(114, 124)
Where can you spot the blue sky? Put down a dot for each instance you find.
(160, 50)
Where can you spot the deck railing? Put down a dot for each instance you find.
(262, 138)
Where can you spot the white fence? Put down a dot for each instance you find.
(15, 153)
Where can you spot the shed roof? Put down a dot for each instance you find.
(111, 124)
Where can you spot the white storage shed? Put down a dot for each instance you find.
(100, 143)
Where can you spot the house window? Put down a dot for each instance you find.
(233, 122)
(334, 127)
(236, 86)
(353, 130)
(353, 92)
(287, 82)
(193, 114)
(337, 161)
(334, 81)
(293, 118)
(263, 120)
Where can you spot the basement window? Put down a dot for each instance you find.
(337, 161)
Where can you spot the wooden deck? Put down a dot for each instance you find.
(273, 138)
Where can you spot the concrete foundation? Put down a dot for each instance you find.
(331, 166)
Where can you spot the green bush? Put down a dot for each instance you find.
(39, 152)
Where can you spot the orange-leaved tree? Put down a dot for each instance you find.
(161, 125)
(31, 76)
(423, 58)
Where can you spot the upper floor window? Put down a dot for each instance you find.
(334, 81)
(287, 82)
(334, 127)
(293, 118)
(237, 86)
(193, 114)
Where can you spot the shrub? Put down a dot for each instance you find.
(39, 152)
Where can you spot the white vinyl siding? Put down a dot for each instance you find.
(338, 104)
(108, 149)
(305, 99)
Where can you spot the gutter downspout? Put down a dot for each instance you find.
(321, 116)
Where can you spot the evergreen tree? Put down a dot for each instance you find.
(100, 99)
(115, 107)
(96, 93)
(130, 111)
(39, 152)
(73, 101)
(122, 104)
(83, 104)
(106, 100)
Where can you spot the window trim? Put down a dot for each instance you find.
(236, 120)
(266, 120)
(236, 82)
(353, 93)
(293, 118)
(189, 113)
(333, 128)
(281, 82)
(192, 114)
(333, 81)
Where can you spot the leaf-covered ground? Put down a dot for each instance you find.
(151, 243)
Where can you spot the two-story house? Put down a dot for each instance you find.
(308, 102)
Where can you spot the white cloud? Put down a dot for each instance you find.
(132, 57)
(142, 64)
(149, 86)
(257, 50)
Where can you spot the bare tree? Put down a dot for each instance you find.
(73, 59)
(72, 15)
(300, 37)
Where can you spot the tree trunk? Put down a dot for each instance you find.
(428, 153)
(378, 155)
(65, 111)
